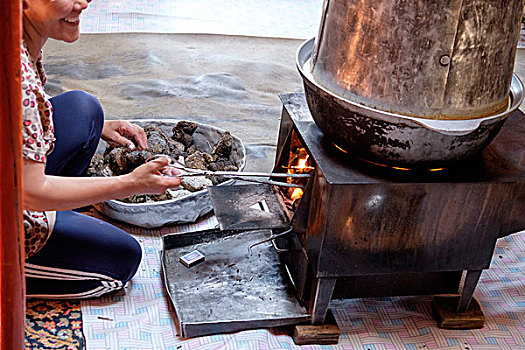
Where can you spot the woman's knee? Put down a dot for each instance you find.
(131, 257)
(89, 105)
(69, 106)
(123, 253)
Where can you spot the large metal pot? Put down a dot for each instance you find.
(427, 58)
(394, 138)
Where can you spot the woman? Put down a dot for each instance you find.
(70, 255)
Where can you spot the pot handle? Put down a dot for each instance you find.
(451, 127)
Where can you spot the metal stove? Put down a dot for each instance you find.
(360, 229)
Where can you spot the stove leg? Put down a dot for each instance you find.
(322, 297)
(471, 281)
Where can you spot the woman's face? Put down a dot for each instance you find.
(57, 19)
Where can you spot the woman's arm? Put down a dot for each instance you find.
(45, 192)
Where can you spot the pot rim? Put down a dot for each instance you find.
(447, 127)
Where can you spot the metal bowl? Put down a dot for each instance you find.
(186, 209)
(393, 138)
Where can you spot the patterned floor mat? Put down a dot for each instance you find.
(53, 324)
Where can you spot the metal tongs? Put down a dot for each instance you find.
(244, 176)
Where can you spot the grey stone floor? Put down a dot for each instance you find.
(230, 82)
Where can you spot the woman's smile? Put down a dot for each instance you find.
(72, 19)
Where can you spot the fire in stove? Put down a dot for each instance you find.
(298, 163)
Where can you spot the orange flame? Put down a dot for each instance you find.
(339, 148)
(296, 194)
(384, 165)
(301, 166)
(302, 163)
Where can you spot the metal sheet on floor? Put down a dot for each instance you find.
(231, 290)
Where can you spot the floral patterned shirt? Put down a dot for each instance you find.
(38, 138)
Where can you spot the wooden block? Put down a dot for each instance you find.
(444, 310)
(325, 334)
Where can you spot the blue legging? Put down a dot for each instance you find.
(84, 257)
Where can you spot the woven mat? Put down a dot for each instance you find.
(53, 324)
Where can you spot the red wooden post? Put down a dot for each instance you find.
(12, 297)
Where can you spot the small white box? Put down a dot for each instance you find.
(192, 258)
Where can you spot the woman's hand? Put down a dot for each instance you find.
(148, 177)
(125, 134)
